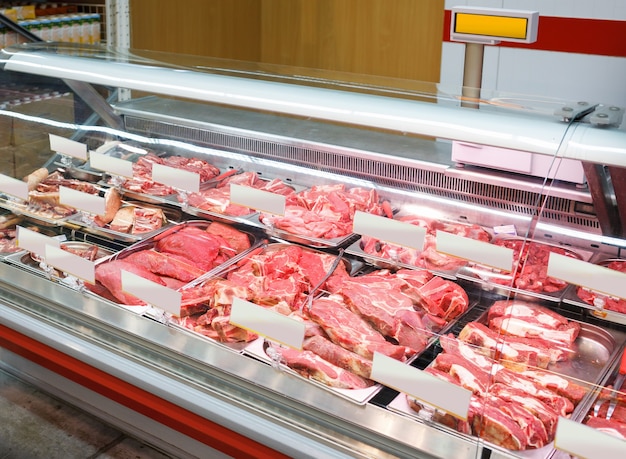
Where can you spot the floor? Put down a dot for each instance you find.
(34, 425)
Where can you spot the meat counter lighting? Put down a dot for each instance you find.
(509, 130)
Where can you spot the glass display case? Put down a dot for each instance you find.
(267, 261)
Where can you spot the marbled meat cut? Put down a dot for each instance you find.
(428, 257)
(350, 330)
(528, 320)
(164, 265)
(311, 365)
(603, 301)
(611, 427)
(142, 173)
(217, 199)
(326, 211)
(338, 355)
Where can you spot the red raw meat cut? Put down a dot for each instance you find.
(237, 239)
(468, 375)
(530, 262)
(164, 265)
(572, 391)
(427, 256)
(527, 320)
(442, 298)
(109, 274)
(338, 355)
(350, 330)
(611, 427)
(531, 425)
(199, 247)
(493, 425)
(310, 365)
(326, 211)
(601, 300)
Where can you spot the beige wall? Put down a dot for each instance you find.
(390, 38)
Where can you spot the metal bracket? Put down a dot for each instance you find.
(607, 115)
(573, 112)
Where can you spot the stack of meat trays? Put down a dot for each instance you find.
(529, 274)
(392, 256)
(173, 258)
(526, 366)
(603, 306)
(347, 317)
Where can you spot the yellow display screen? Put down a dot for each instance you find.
(491, 26)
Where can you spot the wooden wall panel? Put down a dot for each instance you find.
(388, 38)
(217, 28)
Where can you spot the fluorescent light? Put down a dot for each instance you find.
(515, 131)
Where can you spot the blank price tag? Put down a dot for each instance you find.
(91, 203)
(35, 242)
(388, 230)
(14, 187)
(267, 323)
(176, 178)
(257, 199)
(114, 166)
(594, 277)
(586, 442)
(68, 147)
(441, 394)
(71, 264)
(480, 252)
(152, 293)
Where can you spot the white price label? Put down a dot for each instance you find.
(176, 178)
(480, 252)
(14, 187)
(586, 442)
(110, 164)
(594, 277)
(152, 293)
(257, 199)
(267, 323)
(441, 394)
(34, 242)
(68, 147)
(91, 203)
(389, 230)
(71, 264)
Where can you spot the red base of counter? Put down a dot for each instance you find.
(156, 408)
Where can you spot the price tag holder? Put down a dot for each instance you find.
(584, 274)
(14, 187)
(257, 199)
(176, 178)
(35, 242)
(267, 323)
(389, 230)
(90, 203)
(111, 165)
(152, 293)
(441, 394)
(586, 442)
(71, 264)
(68, 147)
(480, 252)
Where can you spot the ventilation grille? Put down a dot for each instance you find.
(555, 210)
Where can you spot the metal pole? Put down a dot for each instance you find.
(472, 74)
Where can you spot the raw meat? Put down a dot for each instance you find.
(601, 300)
(326, 211)
(338, 355)
(164, 265)
(198, 246)
(311, 365)
(611, 427)
(109, 274)
(350, 330)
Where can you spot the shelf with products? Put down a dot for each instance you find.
(311, 136)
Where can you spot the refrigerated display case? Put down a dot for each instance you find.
(358, 183)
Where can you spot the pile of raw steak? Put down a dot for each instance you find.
(392, 313)
(516, 401)
(326, 211)
(176, 258)
(530, 262)
(142, 173)
(428, 257)
(218, 199)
